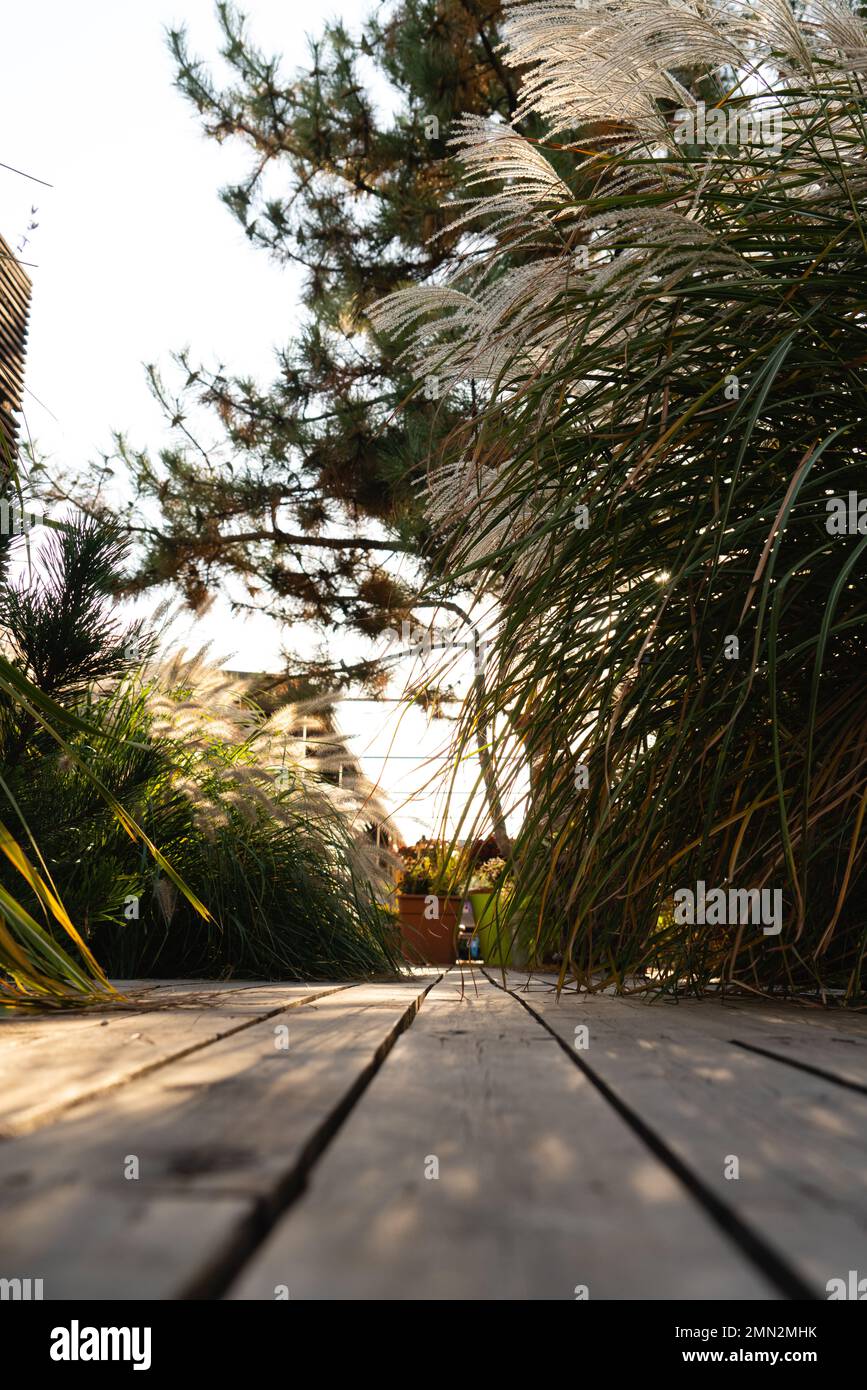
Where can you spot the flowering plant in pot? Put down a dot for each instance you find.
(429, 912)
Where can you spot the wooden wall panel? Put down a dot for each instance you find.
(14, 309)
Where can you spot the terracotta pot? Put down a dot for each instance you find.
(429, 940)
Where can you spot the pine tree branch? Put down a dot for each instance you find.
(323, 542)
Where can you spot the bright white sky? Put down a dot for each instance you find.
(136, 257)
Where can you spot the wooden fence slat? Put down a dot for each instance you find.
(14, 309)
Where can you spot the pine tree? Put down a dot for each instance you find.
(309, 485)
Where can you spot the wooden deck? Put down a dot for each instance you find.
(441, 1137)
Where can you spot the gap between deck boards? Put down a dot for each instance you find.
(541, 1183)
(264, 1207)
(35, 1116)
(63, 1210)
(777, 1260)
(218, 1280)
(800, 1065)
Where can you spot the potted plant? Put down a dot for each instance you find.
(489, 893)
(429, 913)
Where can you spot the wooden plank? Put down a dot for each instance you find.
(65, 1060)
(136, 997)
(241, 1119)
(784, 1033)
(850, 1022)
(800, 1140)
(14, 306)
(83, 1249)
(542, 1188)
(831, 1041)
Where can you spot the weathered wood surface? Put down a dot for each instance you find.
(14, 309)
(541, 1187)
(800, 1140)
(60, 1062)
(283, 1133)
(219, 1137)
(833, 1041)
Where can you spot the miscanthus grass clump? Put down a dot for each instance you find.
(660, 316)
(155, 821)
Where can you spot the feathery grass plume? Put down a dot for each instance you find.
(673, 410)
(140, 792)
(59, 643)
(277, 853)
